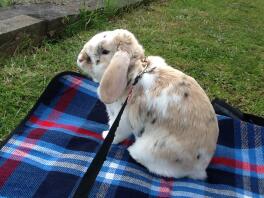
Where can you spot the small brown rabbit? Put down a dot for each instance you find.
(170, 115)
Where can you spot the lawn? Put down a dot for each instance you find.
(220, 43)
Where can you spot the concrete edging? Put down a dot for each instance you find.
(37, 21)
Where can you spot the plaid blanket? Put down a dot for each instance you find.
(49, 152)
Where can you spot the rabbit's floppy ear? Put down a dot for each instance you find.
(114, 80)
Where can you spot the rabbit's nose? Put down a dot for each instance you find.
(80, 60)
(84, 57)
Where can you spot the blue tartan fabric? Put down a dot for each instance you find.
(50, 151)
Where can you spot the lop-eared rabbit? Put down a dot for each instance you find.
(170, 115)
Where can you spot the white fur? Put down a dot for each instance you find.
(162, 101)
(124, 129)
(157, 61)
(156, 164)
(98, 71)
(147, 81)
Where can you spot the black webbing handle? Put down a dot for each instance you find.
(89, 177)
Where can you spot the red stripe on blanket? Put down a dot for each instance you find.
(49, 124)
(238, 164)
(165, 188)
(127, 142)
(7, 169)
(65, 100)
(9, 166)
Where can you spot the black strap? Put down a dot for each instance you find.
(97, 163)
(223, 108)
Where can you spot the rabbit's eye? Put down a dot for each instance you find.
(105, 51)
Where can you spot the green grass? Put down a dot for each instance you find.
(220, 43)
(4, 3)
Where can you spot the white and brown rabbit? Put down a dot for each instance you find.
(170, 115)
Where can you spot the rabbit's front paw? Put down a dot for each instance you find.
(116, 139)
(104, 134)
